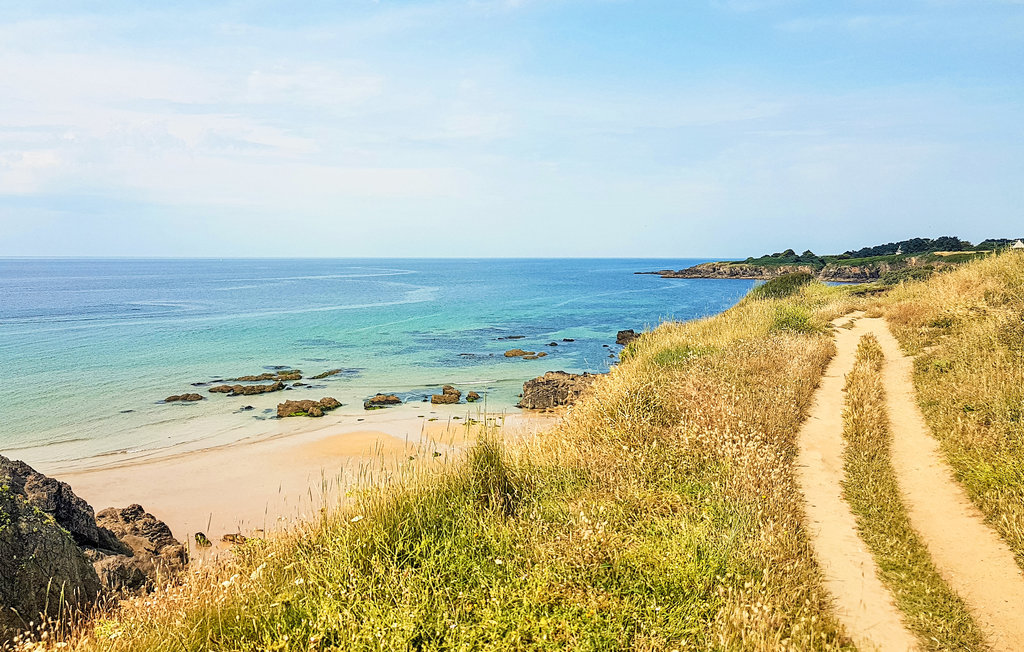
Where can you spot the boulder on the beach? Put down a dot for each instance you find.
(472, 397)
(246, 390)
(518, 353)
(184, 397)
(307, 407)
(381, 401)
(327, 374)
(554, 389)
(625, 337)
(153, 552)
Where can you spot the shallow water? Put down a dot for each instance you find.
(89, 348)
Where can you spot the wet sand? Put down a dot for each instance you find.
(270, 483)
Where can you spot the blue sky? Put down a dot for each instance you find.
(507, 127)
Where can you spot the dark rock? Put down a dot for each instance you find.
(246, 408)
(554, 389)
(52, 497)
(568, 339)
(327, 374)
(42, 571)
(472, 397)
(307, 407)
(291, 374)
(202, 540)
(625, 337)
(512, 337)
(552, 343)
(152, 549)
(184, 397)
(246, 390)
(380, 401)
(199, 384)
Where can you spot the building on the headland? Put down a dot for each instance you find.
(1017, 245)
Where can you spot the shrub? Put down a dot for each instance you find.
(796, 319)
(781, 286)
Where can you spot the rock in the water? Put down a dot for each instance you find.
(554, 389)
(237, 538)
(380, 401)
(246, 390)
(552, 343)
(568, 339)
(625, 337)
(184, 397)
(202, 540)
(447, 396)
(534, 356)
(518, 353)
(327, 374)
(472, 397)
(291, 374)
(307, 407)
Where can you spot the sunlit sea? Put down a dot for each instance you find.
(90, 348)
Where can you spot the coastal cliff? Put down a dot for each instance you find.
(830, 272)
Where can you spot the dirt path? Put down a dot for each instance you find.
(862, 603)
(970, 556)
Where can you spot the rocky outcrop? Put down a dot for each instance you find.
(554, 389)
(184, 397)
(53, 544)
(625, 337)
(534, 356)
(381, 401)
(518, 353)
(246, 390)
(307, 408)
(291, 374)
(837, 272)
(448, 395)
(152, 551)
(42, 571)
(472, 397)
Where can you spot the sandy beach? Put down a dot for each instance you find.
(267, 484)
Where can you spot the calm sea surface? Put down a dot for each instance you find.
(89, 348)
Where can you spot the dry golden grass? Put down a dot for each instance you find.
(930, 608)
(967, 327)
(661, 514)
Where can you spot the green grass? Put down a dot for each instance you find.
(781, 287)
(931, 609)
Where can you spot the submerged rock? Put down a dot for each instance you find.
(327, 374)
(554, 389)
(307, 407)
(381, 401)
(247, 390)
(291, 374)
(534, 356)
(184, 397)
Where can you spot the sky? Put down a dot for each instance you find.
(507, 128)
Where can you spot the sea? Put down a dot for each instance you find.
(89, 348)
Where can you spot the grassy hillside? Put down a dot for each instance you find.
(661, 514)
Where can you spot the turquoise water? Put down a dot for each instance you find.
(89, 348)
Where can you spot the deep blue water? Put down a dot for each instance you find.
(88, 348)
